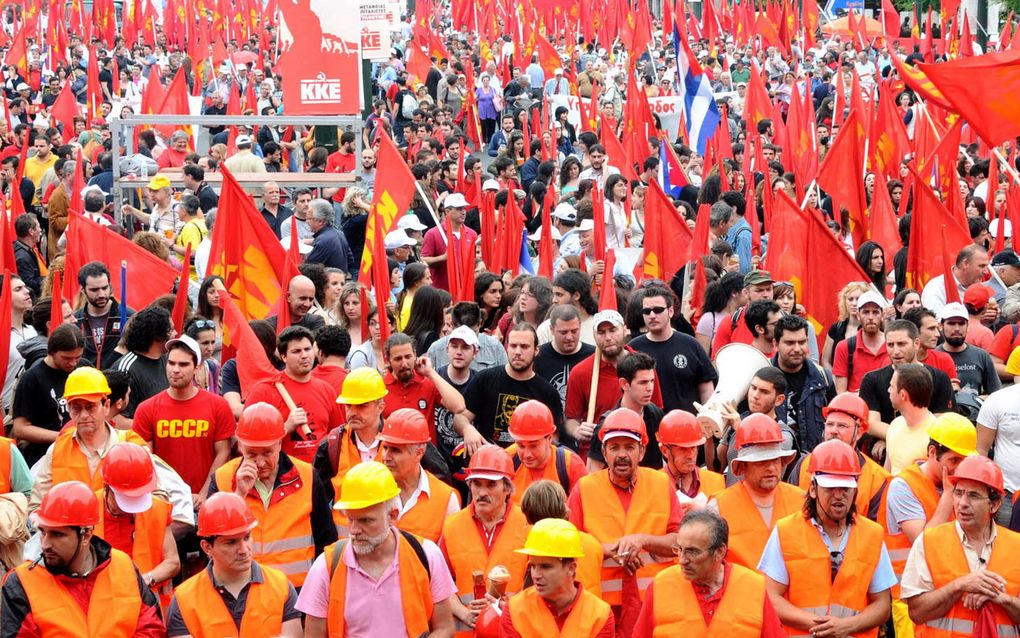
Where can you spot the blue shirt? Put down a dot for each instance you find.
(773, 565)
(739, 237)
(536, 75)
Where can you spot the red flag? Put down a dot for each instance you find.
(175, 102)
(64, 110)
(919, 81)
(952, 291)
(890, 20)
(181, 301)
(77, 200)
(803, 155)
(928, 218)
(17, 55)
(94, 89)
(758, 105)
(668, 240)
(545, 244)
(966, 39)
(842, 175)
(380, 273)
(394, 189)
(453, 263)
(548, 57)
(614, 149)
(884, 226)
(979, 89)
(607, 294)
(889, 141)
(253, 365)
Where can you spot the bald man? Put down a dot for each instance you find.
(300, 301)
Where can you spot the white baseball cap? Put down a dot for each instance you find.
(189, 343)
(954, 310)
(93, 187)
(611, 316)
(566, 212)
(871, 296)
(490, 185)
(397, 239)
(537, 235)
(455, 200)
(465, 334)
(243, 140)
(586, 225)
(410, 221)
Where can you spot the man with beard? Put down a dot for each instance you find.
(826, 569)
(413, 383)
(494, 394)
(316, 410)
(300, 299)
(632, 510)
(974, 366)
(759, 464)
(380, 581)
(287, 498)
(758, 286)
(433, 249)
(485, 533)
(809, 386)
(225, 524)
(80, 568)
(680, 439)
(99, 318)
(558, 357)
(865, 351)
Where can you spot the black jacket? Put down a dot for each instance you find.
(28, 268)
(110, 338)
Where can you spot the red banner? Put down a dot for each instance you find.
(320, 57)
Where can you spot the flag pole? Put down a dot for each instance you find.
(1009, 169)
(123, 294)
(807, 193)
(432, 212)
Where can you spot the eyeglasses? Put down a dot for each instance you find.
(654, 310)
(693, 553)
(971, 496)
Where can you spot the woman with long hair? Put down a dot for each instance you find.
(370, 353)
(574, 287)
(871, 258)
(847, 324)
(425, 323)
(416, 276)
(906, 299)
(722, 298)
(785, 295)
(207, 374)
(336, 279)
(209, 308)
(347, 310)
(570, 177)
(532, 304)
(489, 297)
(617, 230)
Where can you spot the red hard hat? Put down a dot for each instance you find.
(69, 504)
(758, 429)
(405, 426)
(261, 425)
(128, 469)
(225, 514)
(531, 421)
(490, 462)
(487, 624)
(680, 428)
(624, 420)
(850, 404)
(981, 469)
(834, 457)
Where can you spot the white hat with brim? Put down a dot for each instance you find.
(456, 200)
(835, 480)
(612, 434)
(488, 476)
(870, 296)
(490, 185)
(410, 221)
(762, 452)
(397, 239)
(586, 225)
(537, 235)
(132, 504)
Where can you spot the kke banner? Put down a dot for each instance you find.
(320, 57)
(378, 19)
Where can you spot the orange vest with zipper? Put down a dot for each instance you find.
(605, 519)
(466, 549)
(149, 532)
(114, 606)
(807, 561)
(748, 532)
(898, 544)
(740, 614)
(947, 562)
(531, 617)
(348, 456)
(69, 462)
(5, 464)
(523, 476)
(283, 538)
(415, 591)
(427, 516)
(206, 616)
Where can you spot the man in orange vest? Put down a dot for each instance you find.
(381, 581)
(210, 605)
(959, 571)
(826, 569)
(78, 569)
(917, 499)
(425, 501)
(485, 533)
(534, 454)
(15, 488)
(707, 595)
(633, 511)
(759, 464)
(846, 419)
(556, 605)
(285, 496)
(135, 522)
(680, 437)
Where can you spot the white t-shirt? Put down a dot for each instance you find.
(1001, 412)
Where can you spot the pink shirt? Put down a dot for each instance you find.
(369, 610)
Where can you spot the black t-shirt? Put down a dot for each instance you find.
(794, 389)
(37, 397)
(652, 415)
(492, 395)
(875, 392)
(681, 366)
(148, 378)
(555, 367)
(447, 437)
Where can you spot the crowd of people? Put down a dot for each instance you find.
(538, 455)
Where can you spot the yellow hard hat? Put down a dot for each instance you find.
(85, 382)
(367, 484)
(362, 385)
(554, 537)
(1013, 363)
(955, 432)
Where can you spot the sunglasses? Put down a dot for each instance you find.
(654, 310)
(203, 324)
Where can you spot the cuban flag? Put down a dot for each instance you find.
(700, 110)
(671, 174)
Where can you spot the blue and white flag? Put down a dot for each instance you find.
(700, 110)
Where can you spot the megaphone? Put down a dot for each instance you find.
(737, 363)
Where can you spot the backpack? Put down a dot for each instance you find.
(408, 105)
(411, 539)
(851, 348)
(433, 461)
(561, 467)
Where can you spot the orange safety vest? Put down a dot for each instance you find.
(531, 617)
(523, 477)
(871, 483)
(114, 606)
(589, 566)
(605, 519)
(748, 532)
(348, 456)
(808, 563)
(206, 616)
(711, 482)
(946, 561)
(5, 464)
(415, 590)
(426, 518)
(283, 538)
(676, 612)
(69, 462)
(898, 544)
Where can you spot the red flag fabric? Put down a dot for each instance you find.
(803, 251)
(175, 102)
(803, 152)
(394, 189)
(842, 175)
(982, 89)
(918, 80)
(884, 225)
(928, 218)
(952, 291)
(17, 55)
(253, 365)
(545, 244)
(150, 276)
(56, 301)
(64, 110)
(94, 89)
(890, 20)
(246, 253)
(889, 141)
(668, 240)
(181, 301)
(548, 57)
(607, 293)
(380, 274)
(758, 105)
(615, 151)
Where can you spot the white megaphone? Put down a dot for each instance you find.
(737, 363)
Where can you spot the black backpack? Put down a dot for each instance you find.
(561, 466)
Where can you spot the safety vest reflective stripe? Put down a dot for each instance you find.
(283, 545)
(898, 554)
(291, 569)
(960, 626)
